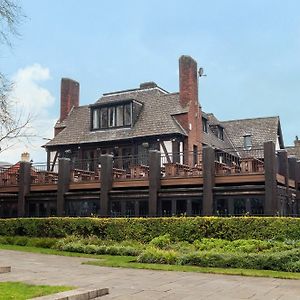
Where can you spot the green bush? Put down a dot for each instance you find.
(288, 261)
(154, 255)
(96, 246)
(161, 242)
(146, 229)
(28, 241)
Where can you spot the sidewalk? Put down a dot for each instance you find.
(142, 284)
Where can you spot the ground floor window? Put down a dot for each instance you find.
(257, 206)
(8, 209)
(239, 206)
(166, 208)
(82, 208)
(221, 207)
(129, 209)
(196, 207)
(41, 208)
(115, 210)
(143, 208)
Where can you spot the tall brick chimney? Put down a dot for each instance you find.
(188, 96)
(69, 97)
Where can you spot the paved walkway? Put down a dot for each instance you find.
(142, 284)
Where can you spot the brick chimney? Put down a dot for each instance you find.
(25, 156)
(188, 96)
(297, 147)
(69, 97)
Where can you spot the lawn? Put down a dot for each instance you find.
(130, 262)
(20, 291)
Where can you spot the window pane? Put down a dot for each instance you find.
(111, 117)
(104, 122)
(204, 125)
(247, 142)
(127, 115)
(120, 115)
(95, 119)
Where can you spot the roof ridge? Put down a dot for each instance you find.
(136, 90)
(247, 119)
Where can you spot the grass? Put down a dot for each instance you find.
(129, 262)
(20, 291)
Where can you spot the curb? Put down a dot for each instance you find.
(78, 294)
(5, 269)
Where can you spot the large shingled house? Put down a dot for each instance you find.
(149, 152)
(130, 122)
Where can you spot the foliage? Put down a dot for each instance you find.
(161, 242)
(144, 230)
(155, 255)
(245, 254)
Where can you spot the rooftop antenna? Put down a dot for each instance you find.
(201, 72)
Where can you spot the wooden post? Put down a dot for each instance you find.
(297, 179)
(292, 167)
(292, 175)
(64, 176)
(283, 169)
(106, 162)
(154, 181)
(24, 186)
(208, 180)
(271, 206)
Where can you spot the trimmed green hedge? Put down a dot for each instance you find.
(145, 229)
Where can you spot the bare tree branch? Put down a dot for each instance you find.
(10, 16)
(14, 128)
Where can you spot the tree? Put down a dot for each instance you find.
(12, 124)
(10, 16)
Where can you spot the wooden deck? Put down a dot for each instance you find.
(144, 183)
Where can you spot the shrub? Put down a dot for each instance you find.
(146, 229)
(28, 241)
(75, 244)
(161, 242)
(154, 255)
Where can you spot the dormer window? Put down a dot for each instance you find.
(221, 133)
(204, 125)
(121, 114)
(218, 131)
(247, 142)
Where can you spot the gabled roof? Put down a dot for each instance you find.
(155, 119)
(261, 129)
(210, 138)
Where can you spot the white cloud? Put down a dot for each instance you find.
(31, 98)
(27, 91)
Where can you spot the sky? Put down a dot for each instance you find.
(250, 52)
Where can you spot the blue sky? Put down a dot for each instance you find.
(250, 51)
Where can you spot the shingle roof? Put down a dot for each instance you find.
(211, 139)
(154, 119)
(261, 130)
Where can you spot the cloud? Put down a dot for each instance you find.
(27, 91)
(31, 98)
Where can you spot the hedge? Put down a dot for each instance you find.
(145, 229)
